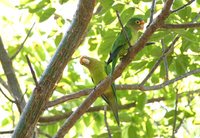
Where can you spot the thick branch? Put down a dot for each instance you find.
(11, 78)
(41, 94)
(119, 69)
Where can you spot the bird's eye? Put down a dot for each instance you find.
(137, 22)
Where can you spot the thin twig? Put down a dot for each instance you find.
(152, 11)
(44, 134)
(196, 17)
(182, 7)
(13, 116)
(12, 101)
(6, 132)
(175, 115)
(123, 30)
(165, 61)
(179, 125)
(165, 53)
(4, 84)
(106, 123)
(32, 71)
(22, 44)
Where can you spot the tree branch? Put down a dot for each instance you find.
(4, 84)
(152, 11)
(100, 88)
(47, 83)
(11, 78)
(22, 45)
(164, 54)
(175, 115)
(106, 123)
(182, 7)
(32, 71)
(76, 95)
(56, 118)
(123, 30)
(159, 86)
(68, 97)
(165, 61)
(12, 101)
(181, 26)
(6, 132)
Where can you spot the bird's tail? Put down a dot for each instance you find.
(111, 100)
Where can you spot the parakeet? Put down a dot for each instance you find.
(98, 73)
(120, 45)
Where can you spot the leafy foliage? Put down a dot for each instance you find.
(144, 119)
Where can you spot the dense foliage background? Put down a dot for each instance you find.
(150, 113)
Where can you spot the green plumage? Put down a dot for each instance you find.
(98, 73)
(120, 46)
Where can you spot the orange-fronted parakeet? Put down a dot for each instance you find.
(120, 45)
(98, 73)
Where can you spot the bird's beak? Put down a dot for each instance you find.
(84, 60)
(142, 25)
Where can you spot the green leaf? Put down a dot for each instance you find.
(181, 64)
(44, 15)
(132, 132)
(198, 2)
(127, 14)
(5, 122)
(107, 4)
(40, 52)
(125, 117)
(136, 1)
(52, 129)
(142, 99)
(109, 17)
(118, 7)
(39, 6)
(58, 39)
(155, 79)
(62, 1)
(60, 21)
(149, 129)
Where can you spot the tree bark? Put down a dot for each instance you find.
(41, 94)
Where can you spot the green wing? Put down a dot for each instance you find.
(118, 45)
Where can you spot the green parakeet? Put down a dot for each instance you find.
(98, 73)
(120, 45)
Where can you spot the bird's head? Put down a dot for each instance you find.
(136, 23)
(89, 62)
(85, 61)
